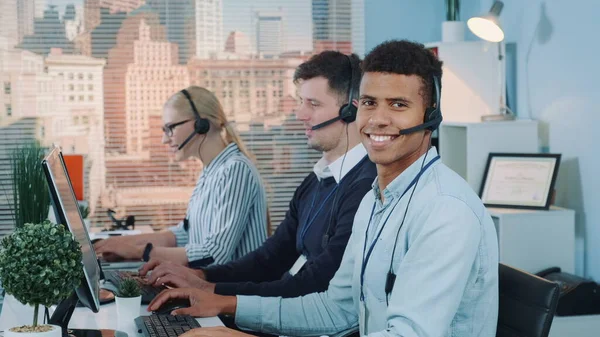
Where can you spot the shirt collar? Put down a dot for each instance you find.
(227, 152)
(402, 181)
(324, 170)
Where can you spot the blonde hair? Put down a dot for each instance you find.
(208, 107)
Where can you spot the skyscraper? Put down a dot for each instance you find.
(9, 28)
(209, 27)
(178, 17)
(49, 32)
(238, 43)
(332, 25)
(141, 73)
(25, 17)
(269, 33)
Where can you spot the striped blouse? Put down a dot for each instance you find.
(227, 213)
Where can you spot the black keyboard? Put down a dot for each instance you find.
(165, 325)
(148, 292)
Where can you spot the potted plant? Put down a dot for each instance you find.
(40, 264)
(129, 300)
(85, 212)
(453, 30)
(31, 199)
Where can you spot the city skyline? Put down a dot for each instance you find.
(237, 16)
(95, 84)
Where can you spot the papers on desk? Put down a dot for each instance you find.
(107, 234)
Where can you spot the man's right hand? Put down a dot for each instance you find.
(203, 304)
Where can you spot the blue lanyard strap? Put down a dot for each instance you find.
(365, 260)
(310, 221)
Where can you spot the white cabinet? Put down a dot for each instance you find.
(464, 147)
(533, 240)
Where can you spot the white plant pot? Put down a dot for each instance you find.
(128, 308)
(453, 31)
(87, 223)
(55, 332)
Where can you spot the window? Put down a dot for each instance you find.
(119, 97)
(8, 109)
(7, 88)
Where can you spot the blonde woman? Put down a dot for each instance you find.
(227, 213)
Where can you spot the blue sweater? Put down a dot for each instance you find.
(264, 272)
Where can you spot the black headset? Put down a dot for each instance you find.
(433, 115)
(347, 111)
(201, 125)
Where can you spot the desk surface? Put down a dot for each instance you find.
(15, 313)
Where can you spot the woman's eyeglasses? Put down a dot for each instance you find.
(168, 129)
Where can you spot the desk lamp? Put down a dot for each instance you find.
(487, 27)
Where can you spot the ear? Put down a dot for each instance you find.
(355, 102)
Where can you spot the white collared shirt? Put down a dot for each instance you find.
(324, 170)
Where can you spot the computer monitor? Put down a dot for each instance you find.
(67, 213)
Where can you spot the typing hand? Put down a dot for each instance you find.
(203, 304)
(166, 272)
(115, 250)
(220, 331)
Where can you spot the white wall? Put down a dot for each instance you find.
(558, 74)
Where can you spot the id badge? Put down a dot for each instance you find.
(362, 321)
(298, 265)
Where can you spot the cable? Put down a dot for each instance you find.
(200, 148)
(391, 276)
(333, 204)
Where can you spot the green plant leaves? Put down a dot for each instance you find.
(40, 263)
(31, 198)
(129, 288)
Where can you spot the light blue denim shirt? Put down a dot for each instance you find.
(446, 262)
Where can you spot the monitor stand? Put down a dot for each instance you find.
(62, 316)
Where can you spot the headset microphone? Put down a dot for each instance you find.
(420, 127)
(325, 123)
(187, 140)
(433, 115)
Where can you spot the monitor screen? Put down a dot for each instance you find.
(67, 213)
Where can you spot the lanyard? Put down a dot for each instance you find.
(365, 260)
(310, 221)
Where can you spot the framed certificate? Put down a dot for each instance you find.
(519, 180)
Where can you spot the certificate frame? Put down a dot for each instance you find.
(519, 180)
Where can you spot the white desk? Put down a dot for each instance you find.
(15, 313)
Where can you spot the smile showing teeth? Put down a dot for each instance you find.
(379, 138)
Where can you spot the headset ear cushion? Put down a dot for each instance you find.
(201, 125)
(348, 113)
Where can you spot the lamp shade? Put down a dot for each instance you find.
(487, 26)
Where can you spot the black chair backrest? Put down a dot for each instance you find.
(527, 304)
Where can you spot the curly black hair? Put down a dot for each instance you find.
(336, 68)
(406, 58)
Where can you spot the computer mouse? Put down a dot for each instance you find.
(172, 304)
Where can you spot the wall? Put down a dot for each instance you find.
(557, 77)
(417, 20)
(557, 73)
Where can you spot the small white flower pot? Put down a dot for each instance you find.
(128, 308)
(55, 332)
(87, 223)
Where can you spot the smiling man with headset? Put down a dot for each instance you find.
(303, 254)
(423, 256)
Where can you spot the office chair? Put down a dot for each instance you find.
(527, 304)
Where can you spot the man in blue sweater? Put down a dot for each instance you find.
(304, 253)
